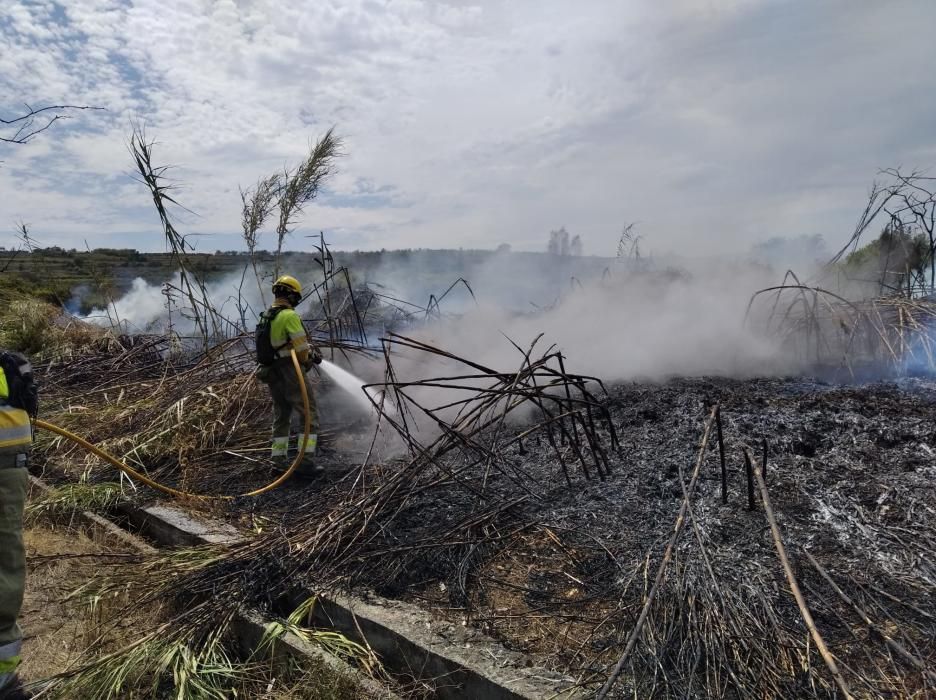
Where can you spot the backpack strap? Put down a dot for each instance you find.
(273, 312)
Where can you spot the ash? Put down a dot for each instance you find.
(560, 570)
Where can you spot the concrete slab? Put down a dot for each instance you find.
(247, 626)
(171, 525)
(462, 663)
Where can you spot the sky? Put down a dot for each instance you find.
(714, 125)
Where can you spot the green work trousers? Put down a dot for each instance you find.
(13, 483)
(288, 409)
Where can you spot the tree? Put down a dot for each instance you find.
(561, 244)
(895, 261)
(909, 201)
(31, 122)
(916, 210)
(558, 242)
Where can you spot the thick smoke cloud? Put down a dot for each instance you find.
(158, 307)
(627, 325)
(608, 319)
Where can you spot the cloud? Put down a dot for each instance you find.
(714, 124)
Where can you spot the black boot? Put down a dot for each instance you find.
(308, 469)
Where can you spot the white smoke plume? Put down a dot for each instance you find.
(152, 308)
(626, 325)
(617, 324)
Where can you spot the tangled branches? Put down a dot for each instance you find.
(822, 330)
(377, 533)
(476, 406)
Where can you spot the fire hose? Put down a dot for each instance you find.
(134, 474)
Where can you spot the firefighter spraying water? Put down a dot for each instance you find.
(284, 356)
(279, 334)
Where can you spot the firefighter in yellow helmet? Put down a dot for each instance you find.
(15, 444)
(286, 332)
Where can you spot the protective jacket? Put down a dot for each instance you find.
(15, 429)
(287, 332)
(15, 444)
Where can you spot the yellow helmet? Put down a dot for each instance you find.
(290, 283)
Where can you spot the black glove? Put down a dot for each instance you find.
(315, 356)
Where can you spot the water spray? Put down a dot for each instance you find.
(354, 386)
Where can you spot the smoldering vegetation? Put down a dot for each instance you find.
(538, 503)
(625, 482)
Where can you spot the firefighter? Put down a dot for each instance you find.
(15, 444)
(287, 332)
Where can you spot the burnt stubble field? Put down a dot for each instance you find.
(561, 570)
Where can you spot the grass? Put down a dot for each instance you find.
(173, 659)
(38, 329)
(63, 501)
(334, 643)
(88, 634)
(58, 624)
(25, 326)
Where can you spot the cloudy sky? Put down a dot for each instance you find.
(713, 124)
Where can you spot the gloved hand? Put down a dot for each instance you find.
(315, 356)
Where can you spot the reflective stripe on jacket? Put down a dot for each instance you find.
(10, 656)
(15, 429)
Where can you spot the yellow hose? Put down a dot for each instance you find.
(133, 473)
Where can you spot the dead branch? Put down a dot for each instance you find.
(794, 587)
(36, 120)
(667, 554)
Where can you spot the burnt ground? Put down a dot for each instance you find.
(562, 575)
(560, 569)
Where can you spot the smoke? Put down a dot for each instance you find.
(620, 324)
(800, 253)
(608, 319)
(628, 325)
(73, 305)
(151, 308)
(512, 281)
(613, 321)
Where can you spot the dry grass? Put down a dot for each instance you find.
(72, 615)
(820, 329)
(191, 423)
(58, 624)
